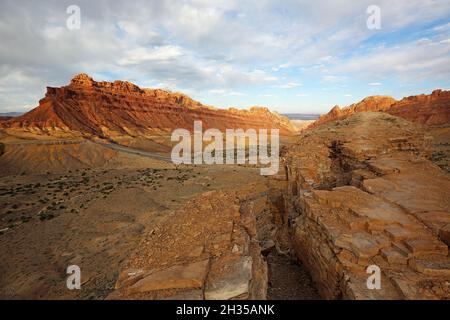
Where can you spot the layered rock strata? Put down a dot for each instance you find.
(110, 109)
(432, 109)
(361, 192)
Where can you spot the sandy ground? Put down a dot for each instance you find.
(91, 218)
(289, 280)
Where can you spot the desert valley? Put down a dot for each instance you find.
(87, 180)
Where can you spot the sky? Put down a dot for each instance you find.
(291, 56)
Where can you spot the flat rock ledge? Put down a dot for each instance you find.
(207, 249)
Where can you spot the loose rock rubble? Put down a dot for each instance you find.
(361, 192)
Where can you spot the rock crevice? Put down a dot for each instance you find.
(358, 195)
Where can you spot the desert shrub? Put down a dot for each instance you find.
(46, 216)
(25, 219)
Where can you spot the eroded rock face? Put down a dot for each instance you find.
(433, 109)
(361, 192)
(109, 109)
(208, 249)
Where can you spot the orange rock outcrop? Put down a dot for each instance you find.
(362, 192)
(116, 108)
(433, 109)
(208, 249)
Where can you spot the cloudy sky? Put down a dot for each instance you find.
(292, 56)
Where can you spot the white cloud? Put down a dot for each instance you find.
(289, 85)
(234, 93)
(235, 46)
(267, 95)
(157, 54)
(218, 91)
(442, 27)
(333, 78)
(261, 76)
(375, 84)
(225, 92)
(403, 61)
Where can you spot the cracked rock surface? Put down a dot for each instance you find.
(207, 249)
(361, 192)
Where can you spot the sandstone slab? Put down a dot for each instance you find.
(177, 277)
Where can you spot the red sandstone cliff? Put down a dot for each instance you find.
(433, 109)
(122, 108)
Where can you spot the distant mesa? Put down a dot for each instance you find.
(302, 116)
(109, 109)
(11, 114)
(4, 116)
(432, 109)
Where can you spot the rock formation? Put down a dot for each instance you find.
(433, 109)
(5, 118)
(358, 189)
(361, 192)
(108, 109)
(356, 193)
(208, 249)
